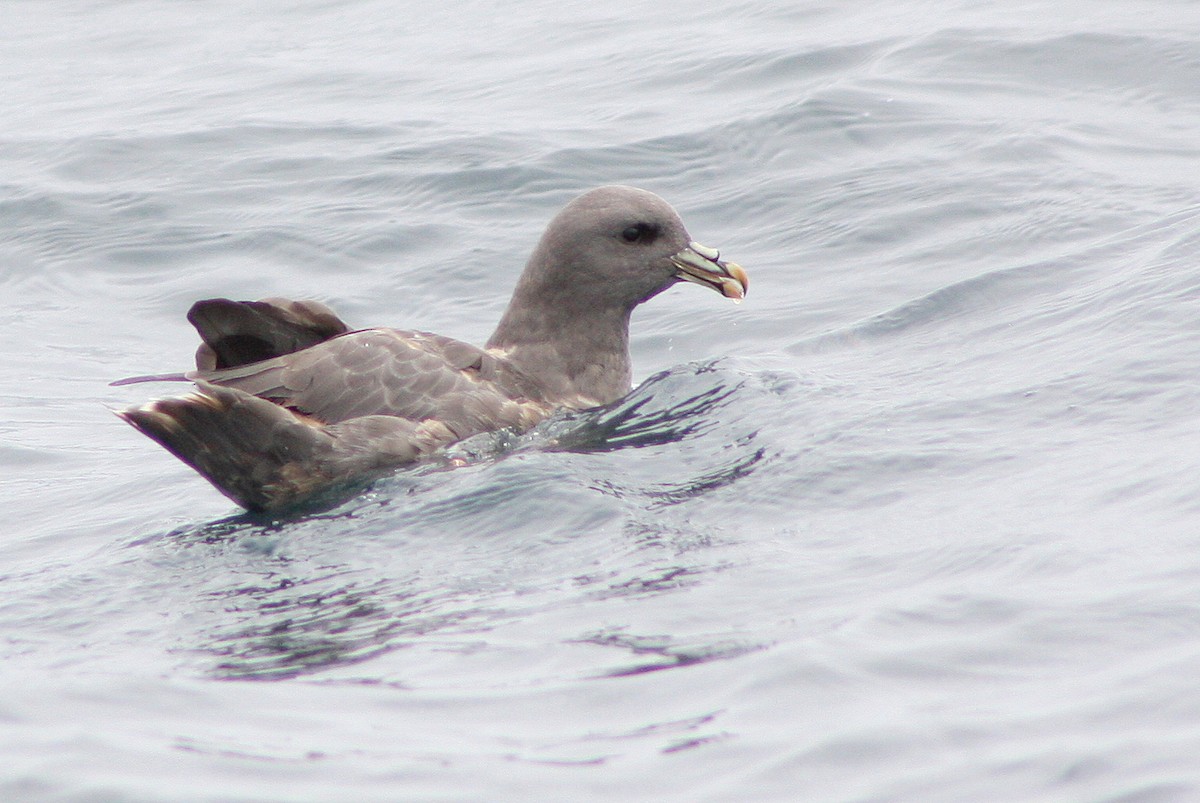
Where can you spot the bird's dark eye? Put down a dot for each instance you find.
(641, 232)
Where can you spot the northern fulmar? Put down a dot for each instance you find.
(291, 402)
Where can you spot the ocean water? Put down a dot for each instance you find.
(920, 520)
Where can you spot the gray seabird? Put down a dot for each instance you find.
(291, 402)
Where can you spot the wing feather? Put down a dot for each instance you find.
(412, 375)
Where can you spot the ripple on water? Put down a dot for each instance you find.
(568, 516)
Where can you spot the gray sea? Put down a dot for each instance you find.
(918, 521)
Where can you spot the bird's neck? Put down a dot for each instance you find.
(578, 354)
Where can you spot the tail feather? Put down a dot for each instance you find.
(266, 457)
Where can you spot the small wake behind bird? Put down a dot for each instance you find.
(292, 403)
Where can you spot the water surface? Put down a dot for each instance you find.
(915, 522)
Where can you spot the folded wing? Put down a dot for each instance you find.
(334, 376)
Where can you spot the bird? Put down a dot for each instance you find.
(290, 402)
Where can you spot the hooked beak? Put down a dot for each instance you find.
(702, 265)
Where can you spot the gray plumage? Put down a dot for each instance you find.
(290, 401)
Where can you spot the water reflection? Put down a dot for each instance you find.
(658, 652)
(302, 627)
(679, 405)
(298, 628)
(668, 407)
(318, 591)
